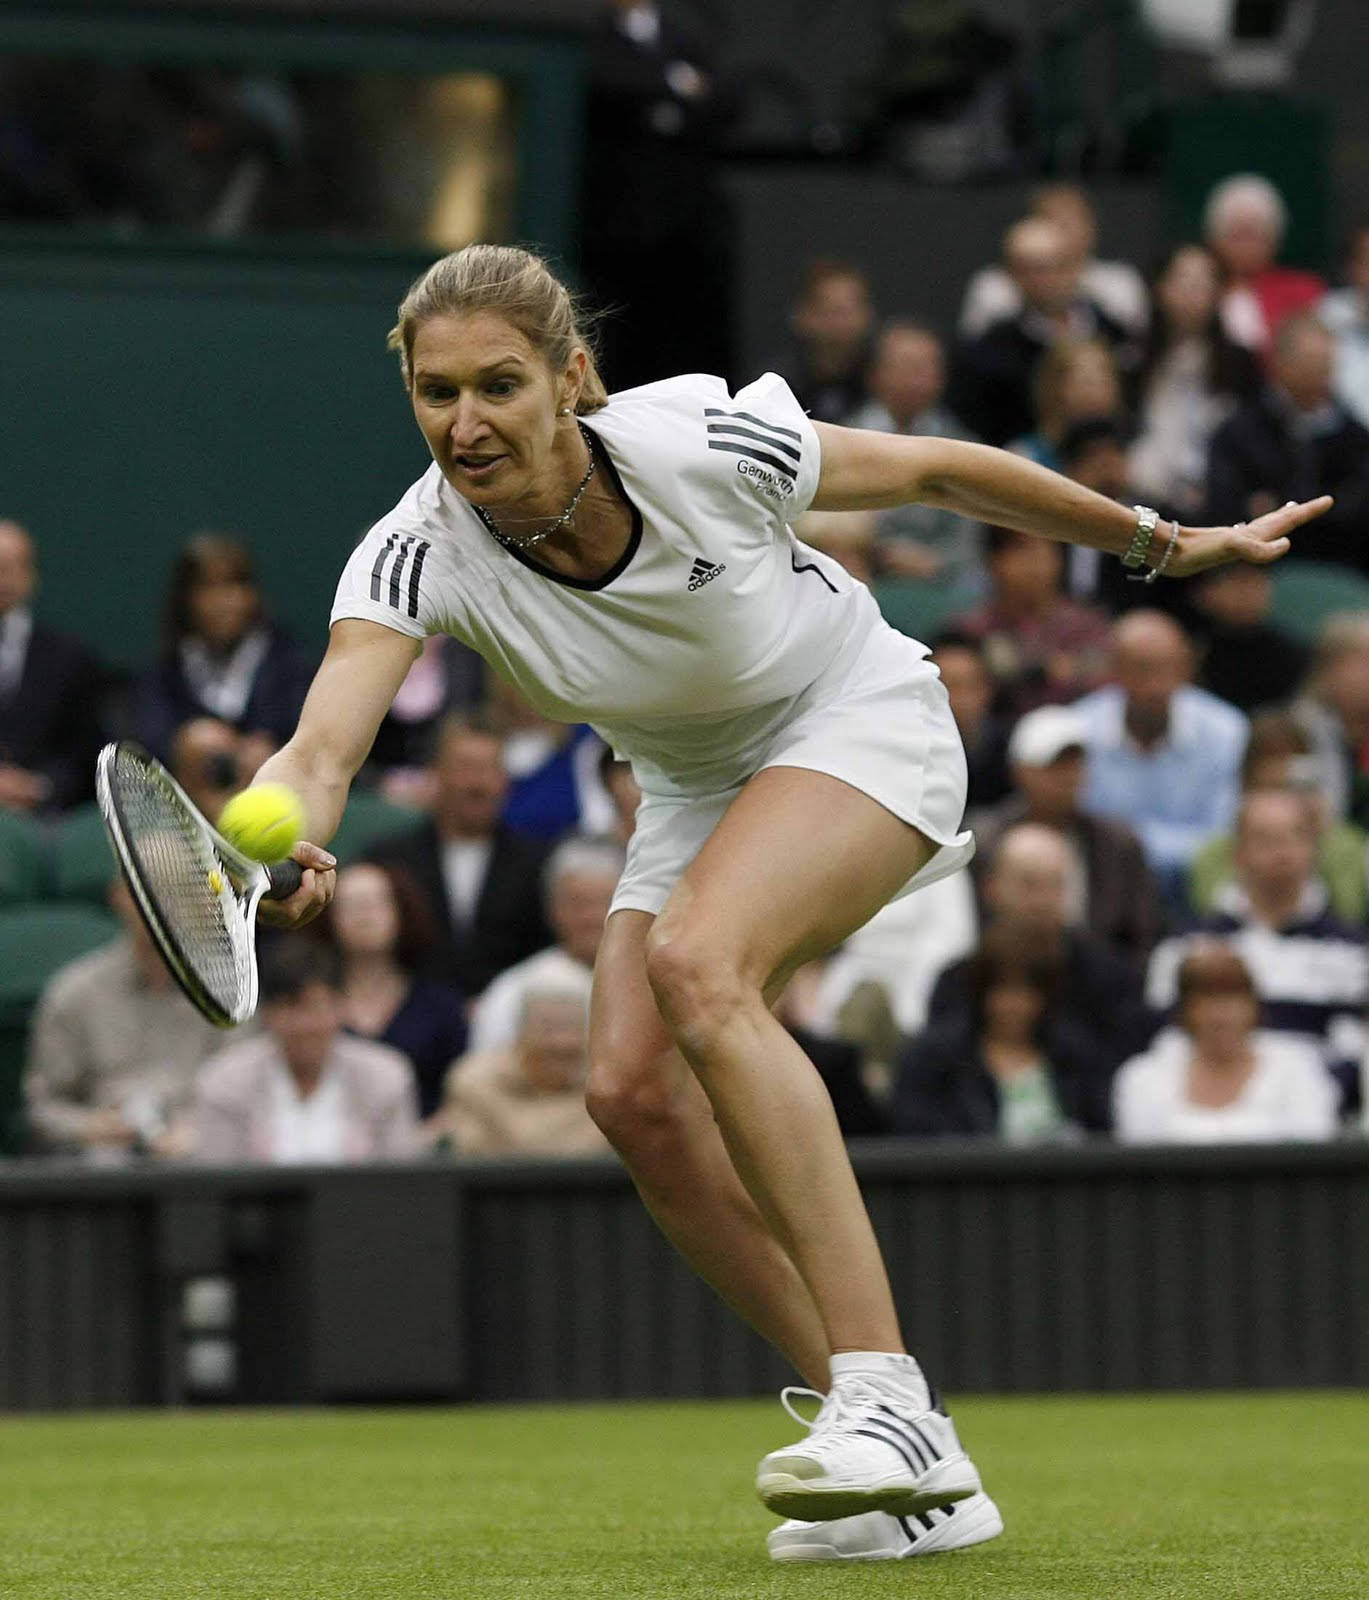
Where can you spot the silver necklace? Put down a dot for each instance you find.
(511, 541)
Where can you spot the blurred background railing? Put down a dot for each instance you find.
(1068, 1269)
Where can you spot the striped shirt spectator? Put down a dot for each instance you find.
(1311, 969)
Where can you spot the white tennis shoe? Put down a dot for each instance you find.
(876, 1536)
(875, 1445)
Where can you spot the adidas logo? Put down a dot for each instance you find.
(704, 572)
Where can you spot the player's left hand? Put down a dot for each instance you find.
(1259, 542)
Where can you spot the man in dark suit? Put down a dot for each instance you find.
(50, 691)
(1034, 886)
(483, 881)
(1295, 441)
(992, 376)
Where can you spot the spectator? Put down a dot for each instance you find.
(1094, 452)
(580, 877)
(1293, 442)
(1012, 1067)
(992, 375)
(898, 954)
(1034, 887)
(222, 657)
(1075, 381)
(1216, 1079)
(114, 1050)
(1041, 646)
(1243, 657)
(447, 676)
(830, 322)
(49, 695)
(1334, 710)
(656, 231)
(554, 785)
(1244, 222)
(380, 924)
(527, 1097)
(907, 385)
(970, 688)
(1346, 313)
(482, 881)
(1115, 286)
(1191, 377)
(1279, 755)
(212, 761)
(1310, 969)
(1163, 755)
(855, 1066)
(302, 1090)
(1121, 900)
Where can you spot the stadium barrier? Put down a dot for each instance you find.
(1064, 1269)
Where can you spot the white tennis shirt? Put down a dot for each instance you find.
(684, 656)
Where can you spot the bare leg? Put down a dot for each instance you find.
(652, 1107)
(759, 897)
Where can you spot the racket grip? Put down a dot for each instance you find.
(285, 878)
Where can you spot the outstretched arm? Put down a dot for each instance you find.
(351, 692)
(871, 471)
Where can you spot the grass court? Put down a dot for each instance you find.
(1105, 1499)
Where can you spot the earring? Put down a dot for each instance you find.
(565, 411)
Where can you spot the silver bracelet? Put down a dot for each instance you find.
(1136, 552)
(1158, 569)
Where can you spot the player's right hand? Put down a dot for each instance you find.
(314, 892)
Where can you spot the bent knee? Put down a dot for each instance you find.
(697, 987)
(636, 1105)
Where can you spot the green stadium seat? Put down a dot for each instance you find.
(919, 608)
(369, 817)
(83, 863)
(1307, 592)
(23, 855)
(35, 940)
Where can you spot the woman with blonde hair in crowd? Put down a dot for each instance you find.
(1076, 381)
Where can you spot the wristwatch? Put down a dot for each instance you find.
(1147, 520)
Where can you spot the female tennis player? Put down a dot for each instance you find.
(627, 561)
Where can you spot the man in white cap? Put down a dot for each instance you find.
(1046, 757)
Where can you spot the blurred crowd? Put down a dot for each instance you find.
(1165, 933)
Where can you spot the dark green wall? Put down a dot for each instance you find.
(151, 396)
(159, 386)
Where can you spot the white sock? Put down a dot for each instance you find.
(898, 1370)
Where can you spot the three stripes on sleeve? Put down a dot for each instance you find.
(404, 554)
(741, 433)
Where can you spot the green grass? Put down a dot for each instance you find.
(1216, 1495)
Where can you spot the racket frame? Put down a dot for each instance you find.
(246, 881)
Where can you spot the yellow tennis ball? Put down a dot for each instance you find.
(266, 821)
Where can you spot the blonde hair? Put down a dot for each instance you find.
(519, 287)
(1053, 372)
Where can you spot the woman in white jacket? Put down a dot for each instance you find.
(1216, 1079)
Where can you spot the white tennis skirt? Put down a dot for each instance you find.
(878, 719)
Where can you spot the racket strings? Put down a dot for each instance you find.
(185, 880)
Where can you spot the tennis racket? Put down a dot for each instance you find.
(197, 893)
